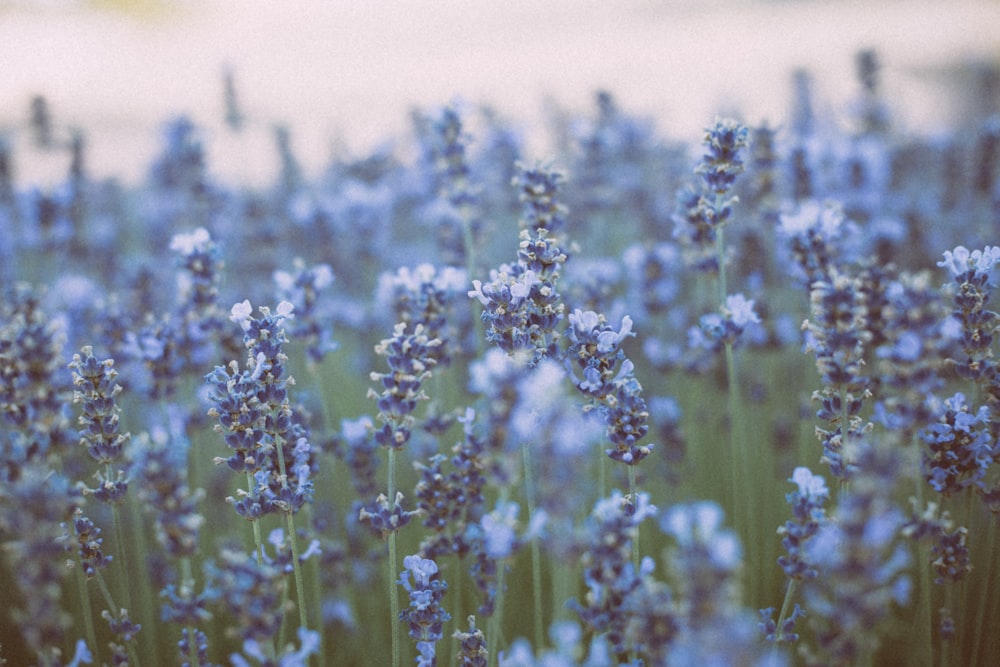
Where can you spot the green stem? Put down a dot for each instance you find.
(393, 594)
(635, 501)
(990, 552)
(536, 556)
(293, 538)
(494, 629)
(255, 524)
(123, 557)
(114, 610)
(786, 607)
(924, 621)
(88, 613)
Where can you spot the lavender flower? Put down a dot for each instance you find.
(97, 390)
(425, 617)
(807, 516)
(199, 321)
(609, 573)
(713, 628)
(838, 336)
(253, 410)
(861, 564)
(522, 306)
(410, 358)
(703, 212)
(971, 275)
(425, 295)
(36, 506)
(960, 447)
(608, 378)
(31, 389)
(472, 650)
(312, 323)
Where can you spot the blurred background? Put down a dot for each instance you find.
(343, 75)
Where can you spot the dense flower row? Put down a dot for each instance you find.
(469, 361)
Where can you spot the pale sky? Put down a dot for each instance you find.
(349, 71)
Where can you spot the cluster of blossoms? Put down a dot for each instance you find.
(97, 391)
(522, 307)
(609, 380)
(188, 338)
(45, 504)
(917, 334)
(609, 572)
(860, 561)
(302, 287)
(160, 460)
(705, 563)
(472, 651)
(424, 617)
(452, 500)
(254, 413)
(702, 211)
(808, 514)
(837, 335)
(425, 295)
(31, 389)
(251, 592)
(200, 322)
(960, 447)
(724, 328)
(818, 238)
(970, 271)
(410, 357)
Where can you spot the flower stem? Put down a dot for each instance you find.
(393, 599)
(635, 501)
(88, 614)
(536, 556)
(255, 523)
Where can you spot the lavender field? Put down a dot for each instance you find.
(718, 398)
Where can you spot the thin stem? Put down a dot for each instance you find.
(924, 618)
(112, 609)
(990, 551)
(255, 524)
(635, 503)
(123, 556)
(88, 613)
(786, 606)
(496, 620)
(536, 556)
(300, 589)
(393, 598)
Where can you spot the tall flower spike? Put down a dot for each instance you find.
(838, 335)
(424, 617)
(703, 211)
(410, 357)
(609, 572)
(861, 562)
(971, 272)
(807, 516)
(97, 390)
(302, 288)
(522, 305)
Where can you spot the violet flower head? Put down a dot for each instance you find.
(808, 515)
(609, 573)
(410, 357)
(424, 617)
(302, 288)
